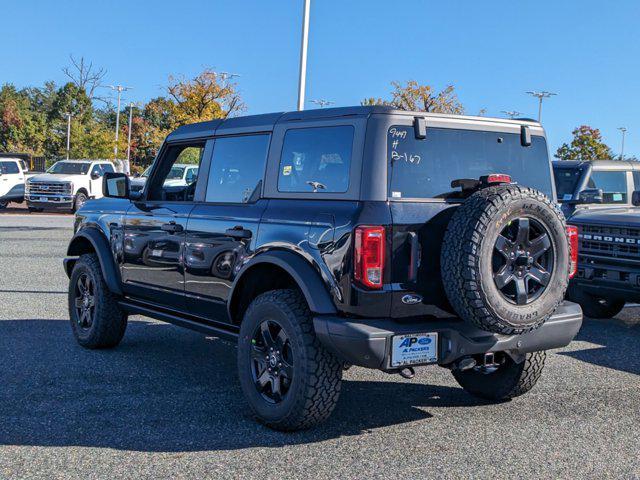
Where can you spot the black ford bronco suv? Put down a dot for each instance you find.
(602, 199)
(327, 238)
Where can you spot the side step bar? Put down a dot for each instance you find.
(228, 332)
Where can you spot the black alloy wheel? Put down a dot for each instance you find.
(271, 361)
(522, 260)
(85, 301)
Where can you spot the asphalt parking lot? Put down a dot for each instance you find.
(166, 403)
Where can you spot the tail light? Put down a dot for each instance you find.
(369, 256)
(572, 233)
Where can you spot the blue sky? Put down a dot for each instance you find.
(492, 51)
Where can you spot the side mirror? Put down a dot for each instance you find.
(95, 175)
(635, 198)
(115, 185)
(591, 195)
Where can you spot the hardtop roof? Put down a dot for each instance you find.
(266, 122)
(599, 164)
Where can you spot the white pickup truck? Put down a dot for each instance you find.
(67, 185)
(12, 177)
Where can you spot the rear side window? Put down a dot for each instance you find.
(613, 185)
(237, 168)
(8, 167)
(316, 160)
(425, 168)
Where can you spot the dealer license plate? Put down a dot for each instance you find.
(414, 348)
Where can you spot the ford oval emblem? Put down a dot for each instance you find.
(411, 299)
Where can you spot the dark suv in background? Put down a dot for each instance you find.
(602, 199)
(327, 238)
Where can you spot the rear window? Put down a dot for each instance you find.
(424, 168)
(9, 167)
(567, 179)
(613, 185)
(316, 160)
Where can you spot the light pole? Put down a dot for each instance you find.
(511, 113)
(303, 54)
(119, 89)
(540, 96)
(322, 102)
(128, 165)
(68, 133)
(624, 132)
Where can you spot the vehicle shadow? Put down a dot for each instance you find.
(619, 345)
(165, 389)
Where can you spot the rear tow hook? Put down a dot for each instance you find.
(407, 372)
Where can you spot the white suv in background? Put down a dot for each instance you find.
(12, 176)
(67, 184)
(180, 175)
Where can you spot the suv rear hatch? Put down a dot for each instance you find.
(422, 200)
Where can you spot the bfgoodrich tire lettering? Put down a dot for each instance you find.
(316, 374)
(469, 269)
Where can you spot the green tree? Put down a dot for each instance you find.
(586, 144)
(420, 98)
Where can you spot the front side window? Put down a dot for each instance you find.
(613, 185)
(316, 160)
(69, 168)
(425, 168)
(237, 168)
(96, 170)
(169, 182)
(108, 168)
(8, 167)
(567, 179)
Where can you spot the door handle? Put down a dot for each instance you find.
(172, 227)
(238, 232)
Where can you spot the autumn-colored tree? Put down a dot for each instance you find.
(204, 97)
(21, 128)
(586, 144)
(421, 98)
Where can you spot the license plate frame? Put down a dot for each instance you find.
(414, 349)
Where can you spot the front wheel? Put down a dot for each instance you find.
(3, 205)
(97, 321)
(80, 200)
(289, 380)
(508, 380)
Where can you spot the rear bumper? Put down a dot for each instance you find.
(367, 343)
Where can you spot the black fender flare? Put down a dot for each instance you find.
(101, 247)
(306, 277)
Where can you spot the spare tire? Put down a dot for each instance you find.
(505, 259)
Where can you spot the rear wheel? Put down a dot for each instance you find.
(289, 380)
(97, 321)
(595, 306)
(507, 381)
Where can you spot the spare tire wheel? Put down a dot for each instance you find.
(505, 259)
